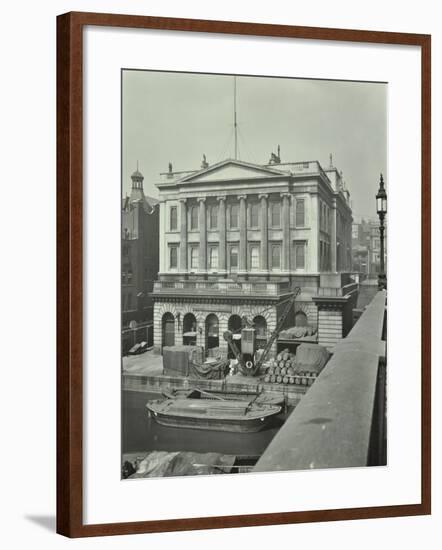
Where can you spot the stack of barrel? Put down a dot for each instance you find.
(283, 369)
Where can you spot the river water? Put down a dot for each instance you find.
(141, 433)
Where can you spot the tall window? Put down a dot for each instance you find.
(254, 257)
(194, 257)
(213, 257)
(234, 257)
(213, 217)
(254, 214)
(300, 255)
(300, 213)
(234, 216)
(173, 218)
(173, 257)
(194, 217)
(276, 256)
(275, 210)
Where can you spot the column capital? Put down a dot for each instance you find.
(285, 194)
(242, 197)
(263, 196)
(221, 198)
(183, 199)
(201, 199)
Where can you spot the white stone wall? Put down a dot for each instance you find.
(329, 327)
(201, 312)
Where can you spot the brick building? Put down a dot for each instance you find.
(139, 263)
(235, 237)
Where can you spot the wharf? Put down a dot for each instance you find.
(145, 373)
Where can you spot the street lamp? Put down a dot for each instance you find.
(381, 206)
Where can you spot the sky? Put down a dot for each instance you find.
(178, 117)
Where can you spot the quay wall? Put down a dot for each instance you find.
(159, 383)
(340, 422)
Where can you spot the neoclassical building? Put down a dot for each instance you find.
(235, 237)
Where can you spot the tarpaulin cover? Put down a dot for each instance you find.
(297, 332)
(310, 358)
(168, 464)
(215, 370)
(176, 359)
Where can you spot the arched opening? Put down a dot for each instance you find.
(260, 325)
(168, 328)
(212, 332)
(301, 319)
(189, 329)
(234, 324)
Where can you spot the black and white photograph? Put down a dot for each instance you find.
(253, 265)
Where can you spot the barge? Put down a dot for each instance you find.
(213, 414)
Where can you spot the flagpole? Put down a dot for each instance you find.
(235, 125)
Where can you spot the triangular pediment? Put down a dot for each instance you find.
(231, 170)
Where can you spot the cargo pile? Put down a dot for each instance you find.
(294, 333)
(282, 370)
(301, 368)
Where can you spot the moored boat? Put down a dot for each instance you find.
(229, 395)
(213, 414)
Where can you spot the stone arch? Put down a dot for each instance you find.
(189, 321)
(211, 331)
(167, 329)
(260, 324)
(167, 308)
(234, 322)
(190, 329)
(301, 319)
(265, 312)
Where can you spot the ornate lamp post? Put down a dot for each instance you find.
(381, 206)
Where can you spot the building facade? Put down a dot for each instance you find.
(366, 247)
(235, 238)
(139, 263)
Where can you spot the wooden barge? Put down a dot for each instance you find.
(213, 414)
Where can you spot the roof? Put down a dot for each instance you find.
(138, 175)
(137, 195)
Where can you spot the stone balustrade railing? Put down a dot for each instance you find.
(221, 287)
(340, 422)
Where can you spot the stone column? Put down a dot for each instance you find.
(183, 235)
(179, 329)
(285, 232)
(264, 233)
(203, 235)
(242, 234)
(333, 239)
(222, 233)
(223, 346)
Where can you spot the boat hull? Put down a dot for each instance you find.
(203, 423)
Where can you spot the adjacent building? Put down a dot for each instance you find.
(139, 263)
(366, 247)
(235, 238)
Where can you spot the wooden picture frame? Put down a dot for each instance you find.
(70, 271)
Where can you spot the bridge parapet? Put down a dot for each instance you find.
(340, 422)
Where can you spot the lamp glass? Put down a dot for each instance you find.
(381, 203)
